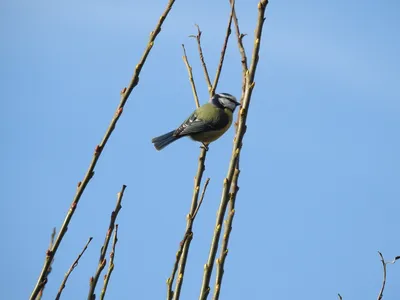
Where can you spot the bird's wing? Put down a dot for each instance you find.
(194, 124)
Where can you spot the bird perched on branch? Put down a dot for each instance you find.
(206, 124)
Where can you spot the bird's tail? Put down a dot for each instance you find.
(164, 140)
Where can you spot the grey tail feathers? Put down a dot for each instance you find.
(164, 140)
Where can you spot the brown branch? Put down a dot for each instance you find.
(201, 198)
(182, 253)
(224, 46)
(203, 63)
(73, 266)
(241, 129)
(242, 51)
(98, 150)
(189, 68)
(186, 243)
(228, 228)
(110, 265)
(234, 186)
(41, 288)
(384, 273)
(103, 251)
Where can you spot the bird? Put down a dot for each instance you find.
(206, 124)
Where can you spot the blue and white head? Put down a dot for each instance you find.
(224, 100)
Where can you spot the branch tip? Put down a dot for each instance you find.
(102, 260)
(73, 266)
(189, 69)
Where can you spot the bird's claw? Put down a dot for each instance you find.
(204, 146)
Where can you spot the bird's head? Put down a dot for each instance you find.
(224, 100)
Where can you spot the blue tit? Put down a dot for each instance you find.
(206, 124)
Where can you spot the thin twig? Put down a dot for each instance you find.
(384, 277)
(201, 198)
(125, 93)
(170, 280)
(189, 68)
(241, 129)
(110, 265)
(242, 51)
(73, 266)
(41, 288)
(187, 236)
(203, 63)
(182, 253)
(224, 46)
(384, 273)
(234, 186)
(103, 251)
(340, 297)
(228, 228)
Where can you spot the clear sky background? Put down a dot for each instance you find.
(320, 164)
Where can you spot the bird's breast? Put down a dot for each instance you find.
(212, 135)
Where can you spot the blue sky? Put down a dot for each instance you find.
(320, 165)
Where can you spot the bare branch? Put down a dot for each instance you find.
(73, 266)
(103, 251)
(384, 277)
(182, 253)
(384, 273)
(189, 68)
(98, 150)
(201, 198)
(206, 75)
(340, 297)
(110, 265)
(170, 280)
(393, 261)
(225, 240)
(241, 129)
(234, 186)
(189, 234)
(42, 286)
(242, 51)
(221, 60)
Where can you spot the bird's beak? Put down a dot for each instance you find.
(238, 103)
